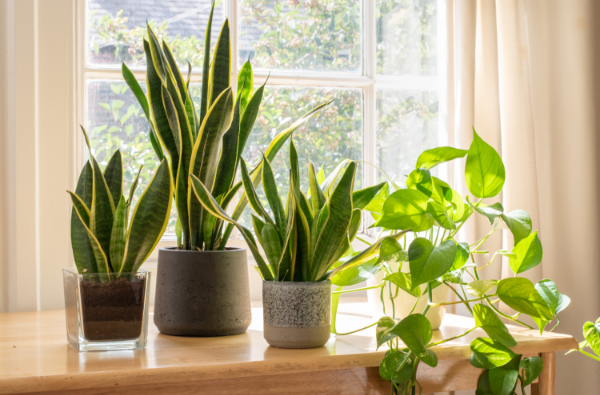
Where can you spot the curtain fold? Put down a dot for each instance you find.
(524, 74)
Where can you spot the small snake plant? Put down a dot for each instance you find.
(310, 238)
(207, 144)
(102, 237)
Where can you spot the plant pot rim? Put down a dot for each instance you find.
(298, 283)
(227, 249)
(73, 270)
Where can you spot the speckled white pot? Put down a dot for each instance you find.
(297, 314)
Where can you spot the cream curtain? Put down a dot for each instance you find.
(522, 72)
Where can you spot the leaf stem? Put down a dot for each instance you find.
(429, 298)
(359, 289)
(589, 355)
(358, 330)
(460, 297)
(450, 338)
(460, 301)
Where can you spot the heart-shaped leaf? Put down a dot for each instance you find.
(431, 359)
(406, 209)
(356, 274)
(549, 292)
(428, 262)
(483, 384)
(391, 362)
(440, 215)
(433, 157)
(486, 319)
(532, 367)
(490, 212)
(402, 280)
(462, 255)
(383, 332)
(415, 332)
(591, 332)
(519, 223)
(481, 287)
(458, 205)
(489, 353)
(503, 379)
(520, 294)
(391, 251)
(529, 254)
(420, 179)
(484, 170)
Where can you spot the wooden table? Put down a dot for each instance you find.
(36, 359)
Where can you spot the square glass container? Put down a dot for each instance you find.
(106, 311)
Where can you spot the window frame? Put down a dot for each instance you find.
(367, 80)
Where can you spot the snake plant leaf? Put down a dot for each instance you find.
(520, 294)
(82, 249)
(285, 266)
(204, 156)
(489, 353)
(428, 262)
(113, 174)
(403, 281)
(532, 367)
(258, 225)
(214, 209)
(133, 187)
(317, 198)
(486, 319)
(170, 59)
(156, 144)
(301, 200)
(484, 170)
(157, 56)
(415, 332)
(362, 197)
(228, 160)
(519, 223)
(336, 227)
(462, 256)
(173, 118)
(591, 332)
(190, 112)
(245, 85)
(406, 209)
(118, 236)
(302, 265)
(270, 154)
(366, 254)
(220, 68)
(253, 196)
(270, 188)
(354, 224)
(149, 219)
(433, 157)
(204, 105)
(503, 379)
(269, 239)
(158, 116)
(248, 118)
(101, 261)
(529, 254)
(321, 175)
(330, 181)
(383, 331)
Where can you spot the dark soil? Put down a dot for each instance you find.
(114, 310)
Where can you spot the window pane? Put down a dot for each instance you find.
(331, 136)
(115, 120)
(115, 29)
(319, 35)
(407, 124)
(407, 37)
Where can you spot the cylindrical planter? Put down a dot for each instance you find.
(202, 293)
(404, 302)
(297, 314)
(106, 311)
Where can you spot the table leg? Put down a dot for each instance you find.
(545, 386)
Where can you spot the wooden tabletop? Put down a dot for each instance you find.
(35, 356)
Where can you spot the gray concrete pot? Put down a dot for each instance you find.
(202, 293)
(297, 314)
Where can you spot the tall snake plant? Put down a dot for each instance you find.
(102, 237)
(207, 144)
(310, 238)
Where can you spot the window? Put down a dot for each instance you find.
(377, 58)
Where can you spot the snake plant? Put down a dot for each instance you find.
(102, 237)
(207, 144)
(309, 238)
